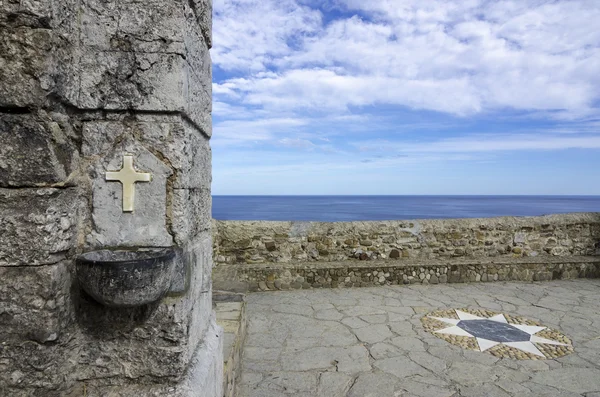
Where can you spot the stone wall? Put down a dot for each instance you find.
(258, 242)
(271, 277)
(81, 84)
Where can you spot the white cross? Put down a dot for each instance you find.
(128, 176)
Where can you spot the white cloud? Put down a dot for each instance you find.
(483, 143)
(326, 90)
(458, 57)
(248, 34)
(297, 143)
(247, 131)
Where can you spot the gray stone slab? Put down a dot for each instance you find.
(400, 367)
(418, 364)
(374, 385)
(576, 380)
(384, 350)
(373, 333)
(333, 384)
(328, 314)
(426, 390)
(426, 360)
(203, 13)
(291, 382)
(408, 343)
(352, 359)
(354, 322)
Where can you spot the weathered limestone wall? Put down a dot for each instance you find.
(83, 82)
(247, 242)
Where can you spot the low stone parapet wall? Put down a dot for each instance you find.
(264, 277)
(261, 242)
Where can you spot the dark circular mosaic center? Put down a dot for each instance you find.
(494, 331)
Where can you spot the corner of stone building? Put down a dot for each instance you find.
(83, 84)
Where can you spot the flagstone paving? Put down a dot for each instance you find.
(372, 342)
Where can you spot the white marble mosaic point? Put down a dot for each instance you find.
(468, 316)
(530, 329)
(499, 318)
(485, 344)
(454, 331)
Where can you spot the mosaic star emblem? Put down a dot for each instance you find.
(495, 330)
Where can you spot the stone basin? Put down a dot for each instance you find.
(126, 278)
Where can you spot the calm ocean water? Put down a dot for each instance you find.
(363, 208)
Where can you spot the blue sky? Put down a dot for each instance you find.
(406, 97)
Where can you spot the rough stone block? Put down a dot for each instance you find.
(34, 302)
(180, 282)
(206, 370)
(100, 136)
(10, 6)
(37, 226)
(200, 279)
(203, 12)
(164, 82)
(127, 357)
(25, 68)
(55, 14)
(147, 224)
(193, 160)
(129, 80)
(203, 374)
(35, 150)
(199, 101)
(99, 24)
(191, 213)
(151, 26)
(37, 52)
(186, 149)
(194, 266)
(29, 368)
(171, 137)
(197, 49)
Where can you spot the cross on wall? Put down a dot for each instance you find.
(128, 176)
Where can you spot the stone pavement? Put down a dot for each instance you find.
(371, 342)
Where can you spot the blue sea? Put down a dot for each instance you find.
(370, 208)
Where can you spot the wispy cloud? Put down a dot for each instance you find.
(484, 143)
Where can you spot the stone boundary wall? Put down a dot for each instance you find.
(269, 277)
(261, 242)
